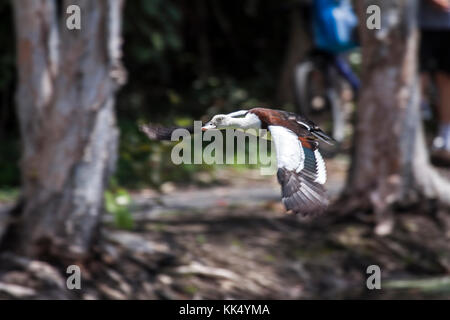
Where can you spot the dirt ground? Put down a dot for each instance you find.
(233, 240)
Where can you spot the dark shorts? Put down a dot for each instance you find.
(435, 51)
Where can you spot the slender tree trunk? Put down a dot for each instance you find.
(65, 101)
(298, 46)
(390, 162)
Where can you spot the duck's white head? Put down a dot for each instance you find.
(219, 121)
(236, 120)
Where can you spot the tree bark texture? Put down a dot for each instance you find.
(65, 100)
(390, 161)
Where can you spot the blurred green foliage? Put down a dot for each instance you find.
(117, 203)
(170, 84)
(186, 59)
(9, 195)
(147, 163)
(430, 285)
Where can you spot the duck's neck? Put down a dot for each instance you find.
(250, 121)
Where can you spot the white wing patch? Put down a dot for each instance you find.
(288, 147)
(304, 124)
(321, 169)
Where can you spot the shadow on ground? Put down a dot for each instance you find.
(236, 242)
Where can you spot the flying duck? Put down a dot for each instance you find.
(301, 168)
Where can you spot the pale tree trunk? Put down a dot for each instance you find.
(65, 101)
(390, 161)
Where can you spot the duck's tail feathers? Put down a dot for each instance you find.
(318, 133)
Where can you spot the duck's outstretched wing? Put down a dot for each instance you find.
(301, 172)
(156, 132)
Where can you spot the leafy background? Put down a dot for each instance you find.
(186, 60)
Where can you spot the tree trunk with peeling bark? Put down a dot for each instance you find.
(390, 161)
(65, 105)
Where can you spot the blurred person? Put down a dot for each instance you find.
(434, 19)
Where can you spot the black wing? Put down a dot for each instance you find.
(310, 126)
(301, 172)
(156, 132)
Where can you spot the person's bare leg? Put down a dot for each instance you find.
(443, 84)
